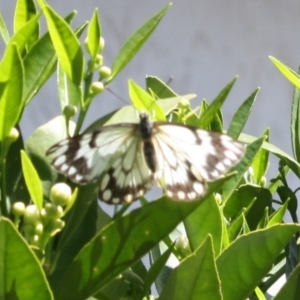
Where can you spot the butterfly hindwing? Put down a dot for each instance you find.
(189, 157)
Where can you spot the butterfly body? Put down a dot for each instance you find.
(128, 158)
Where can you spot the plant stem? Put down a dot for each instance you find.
(4, 211)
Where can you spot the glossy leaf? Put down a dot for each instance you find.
(159, 88)
(206, 219)
(32, 180)
(4, 31)
(241, 262)
(93, 35)
(11, 99)
(241, 116)
(22, 276)
(291, 75)
(241, 168)
(291, 289)
(66, 45)
(135, 42)
(143, 101)
(214, 107)
(187, 280)
(295, 123)
(119, 245)
(25, 11)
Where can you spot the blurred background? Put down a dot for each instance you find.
(202, 45)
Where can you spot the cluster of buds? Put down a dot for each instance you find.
(97, 64)
(39, 225)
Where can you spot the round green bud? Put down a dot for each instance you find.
(184, 103)
(101, 44)
(183, 247)
(263, 181)
(104, 72)
(18, 209)
(60, 194)
(52, 211)
(31, 214)
(97, 87)
(39, 228)
(99, 60)
(13, 135)
(70, 111)
(218, 198)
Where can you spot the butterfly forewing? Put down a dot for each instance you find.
(126, 159)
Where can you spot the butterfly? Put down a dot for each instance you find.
(126, 159)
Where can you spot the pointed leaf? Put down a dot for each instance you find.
(22, 276)
(291, 289)
(11, 104)
(119, 245)
(187, 280)
(94, 34)
(242, 263)
(135, 42)
(32, 180)
(241, 116)
(66, 45)
(215, 106)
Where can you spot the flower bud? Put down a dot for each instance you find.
(99, 60)
(97, 87)
(18, 209)
(13, 135)
(183, 247)
(104, 72)
(60, 194)
(184, 103)
(52, 211)
(70, 111)
(31, 214)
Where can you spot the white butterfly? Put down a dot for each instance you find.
(128, 158)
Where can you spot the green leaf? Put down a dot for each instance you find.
(206, 219)
(119, 245)
(39, 63)
(243, 199)
(261, 161)
(143, 101)
(287, 159)
(11, 104)
(241, 116)
(159, 88)
(16, 189)
(187, 280)
(69, 93)
(135, 42)
(278, 215)
(291, 75)
(241, 168)
(22, 276)
(242, 262)
(214, 108)
(4, 31)
(32, 180)
(291, 289)
(66, 45)
(24, 12)
(93, 35)
(295, 124)
(155, 269)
